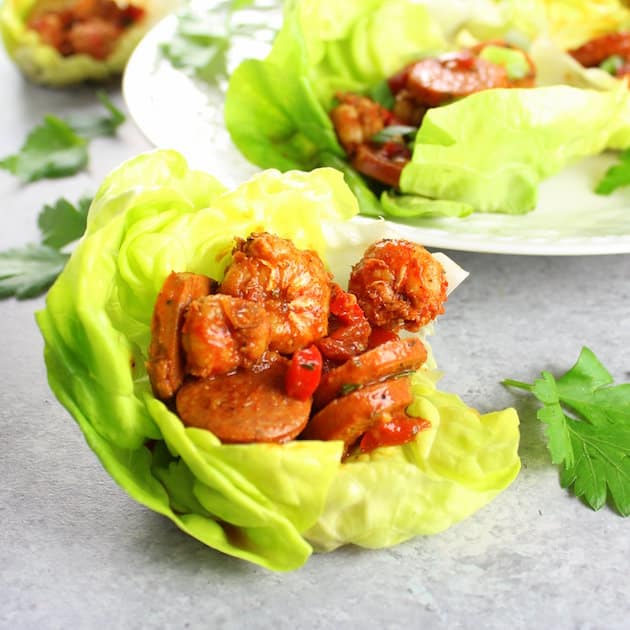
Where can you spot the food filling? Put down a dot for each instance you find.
(609, 52)
(376, 138)
(89, 27)
(278, 350)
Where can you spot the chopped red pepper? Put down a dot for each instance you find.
(344, 306)
(304, 373)
(394, 432)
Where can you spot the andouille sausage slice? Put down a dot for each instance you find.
(438, 80)
(593, 52)
(388, 359)
(245, 406)
(347, 418)
(166, 361)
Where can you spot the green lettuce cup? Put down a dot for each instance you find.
(269, 504)
(487, 152)
(43, 63)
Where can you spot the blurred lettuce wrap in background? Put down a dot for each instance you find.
(44, 63)
(487, 152)
(267, 503)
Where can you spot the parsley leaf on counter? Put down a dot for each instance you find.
(59, 147)
(588, 430)
(30, 270)
(63, 223)
(93, 126)
(52, 149)
(617, 176)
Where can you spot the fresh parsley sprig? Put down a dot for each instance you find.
(58, 147)
(29, 271)
(588, 430)
(202, 39)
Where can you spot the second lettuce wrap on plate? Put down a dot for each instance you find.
(487, 152)
(270, 504)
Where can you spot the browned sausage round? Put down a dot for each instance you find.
(593, 52)
(388, 359)
(166, 362)
(526, 81)
(246, 406)
(347, 418)
(435, 81)
(377, 164)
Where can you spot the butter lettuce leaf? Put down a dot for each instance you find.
(530, 135)
(486, 153)
(266, 503)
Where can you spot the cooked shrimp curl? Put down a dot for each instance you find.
(399, 284)
(356, 119)
(292, 285)
(222, 333)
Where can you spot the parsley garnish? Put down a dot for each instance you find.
(59, 147)
(104, 125)
(394, 132)
(588, 430)
(63, 223)
(52, 149)
(202, 40)
(616, 176)
(30, 270)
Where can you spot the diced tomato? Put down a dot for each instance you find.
(304, 373)
(381, 335)
(394, 432)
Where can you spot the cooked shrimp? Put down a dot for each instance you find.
(399, 284)
(292, 285)
(356, 119)
(221, 333)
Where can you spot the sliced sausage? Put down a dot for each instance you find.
(379, 165)
(435, 81)
(593, 52)
(347, 418)
(388, 359)
(166, 362)
(245, 406)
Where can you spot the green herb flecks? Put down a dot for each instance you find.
(588, 430)
(394, 133)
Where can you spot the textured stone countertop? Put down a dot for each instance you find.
(77, 552)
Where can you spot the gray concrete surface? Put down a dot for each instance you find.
(76, 552)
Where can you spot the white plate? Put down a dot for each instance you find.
(176, 111)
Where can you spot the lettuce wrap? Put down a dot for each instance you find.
(487, 152)
(267, 503)
(43, 64)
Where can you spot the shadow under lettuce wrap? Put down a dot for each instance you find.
(267, 503)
